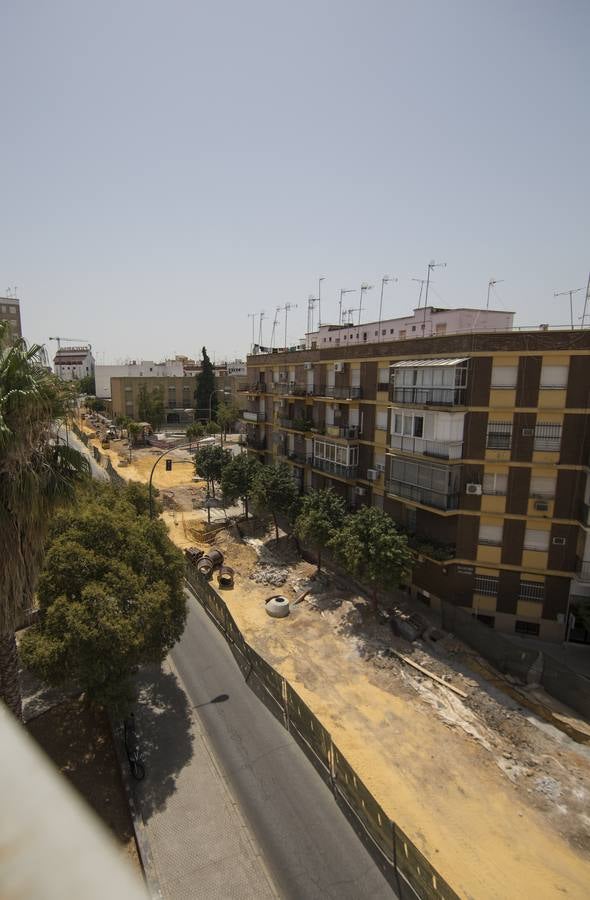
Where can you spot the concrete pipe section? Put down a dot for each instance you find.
(277, 607)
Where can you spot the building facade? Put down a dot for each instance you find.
(146, 368)
(10, 312)
(73, 363)
(477, 445)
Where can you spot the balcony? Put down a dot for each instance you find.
(257, 387)
(346, 432)
(583, 570)
(255, 443)
(340, 392)
(436, 449)
(291, 389)
(302, 425)
(251, 416)
(425, 496)
(333, 468)
(428, 396)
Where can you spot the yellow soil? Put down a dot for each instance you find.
(443, 790)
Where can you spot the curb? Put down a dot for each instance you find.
(144, 849)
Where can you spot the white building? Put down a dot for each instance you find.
(73, 363)
(237, 367)
(425, 322)
(145, 368)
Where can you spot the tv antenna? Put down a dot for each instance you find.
(342, 293)
(287, 307)
(364, 287)
(260, 321)
(421, 282)
(385, 280)
(491, 284)
(323, 278)
(274, 327)
(253, 317)
(586, 299)
(571, 293)
(431, 265)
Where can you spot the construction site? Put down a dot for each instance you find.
(489, 777)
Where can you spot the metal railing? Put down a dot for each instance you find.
(340, 392)
(251, 416)
(422, 495)
(334, 468)
(428, 396)
(256, 387)
(348, 432)
(255, 443)
(438, 449)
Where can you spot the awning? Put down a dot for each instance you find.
(427, 363)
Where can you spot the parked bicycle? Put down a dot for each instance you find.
(133, 749)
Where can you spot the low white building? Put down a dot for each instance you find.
(146, 368)
(427, 321)
(73, 363)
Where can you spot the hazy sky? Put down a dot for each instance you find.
(166, 168)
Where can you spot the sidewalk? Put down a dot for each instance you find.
(200, 844)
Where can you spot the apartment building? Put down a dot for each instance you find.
(10, 312)
(145, 368)
(73, 363)
(477, 444)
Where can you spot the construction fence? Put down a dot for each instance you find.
(403, 865)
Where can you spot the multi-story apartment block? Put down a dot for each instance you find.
(73, 363)
(478, 445)
(10, 312)
(177, 394)
(145, 368)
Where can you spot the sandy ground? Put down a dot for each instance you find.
(495, 797)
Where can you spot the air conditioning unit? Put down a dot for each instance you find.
(473, 489)
(380, 467)
(528, 432)
(339, 367)
(308, 366)
(372, 474)
(541, 506)
(360, 491)
(559, 541)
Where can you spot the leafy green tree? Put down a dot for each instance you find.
(87, 385)
(151, 406)
(274, 491)
(237, 479)
(112, 597)
(227, 414)
(137, 494)
(210, 462)
(95, 404)
(212, 428)
(194, 432)
(136, 431)
(321, 515)
(205, 388)
(371, 549)
(36, 476)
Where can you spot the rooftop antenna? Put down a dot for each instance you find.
(253, 317)
(421, 282)
(586, 298)
(571, 293)
(323, 278)
(287, 307)
(342, 293)
(385, 280)
(262, 317)
(492, 283)
(274, 327)
(431, 265)
(364, 287)
(348, 313)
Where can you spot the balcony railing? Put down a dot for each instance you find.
(340, 392)
(334, 468)
(437, 449)
(290, 388)
(428, 396)
(256, 387)
(583, 570)
(255, 443)
(251, 416)
(295, 424)
(348, 432)
(422, 495)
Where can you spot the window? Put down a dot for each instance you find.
(408, 424)
(531, 628)
(490, 534)
(532, 590)
(402, 335)
(554, 377)
(547, 436)
(542, 487)
(381, 421)
(486, 585)
(413, 328)
(499, 435)
(495, 484)
(391, 330)
(441, 328)
(504, 376)
(536, 540)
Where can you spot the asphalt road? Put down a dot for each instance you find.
(308, 846)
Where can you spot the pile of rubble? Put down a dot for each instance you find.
(264, 573)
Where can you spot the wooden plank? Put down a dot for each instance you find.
(434, 677)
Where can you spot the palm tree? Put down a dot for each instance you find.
(37, 473)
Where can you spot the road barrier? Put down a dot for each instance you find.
(403, 865)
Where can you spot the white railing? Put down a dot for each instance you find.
(438, 449)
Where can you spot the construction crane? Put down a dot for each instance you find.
(79, 340)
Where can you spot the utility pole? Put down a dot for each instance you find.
(571, 293)
(342, 293)
(323, 278)
(492, 283)
(385, 280)
(364, 287)
(287, 307)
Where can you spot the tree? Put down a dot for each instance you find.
(321, 515)
(134, 430)
(194, 432)
(237, 479)
(205, 388)
(212, 428)
(111, 593)
(87, 385)
(151, 406)
(274, 491)
(36, 476)
(227, 414)
(210, 462)
(371, 549)
(95, 404)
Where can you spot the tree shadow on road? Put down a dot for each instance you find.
(164, 726)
